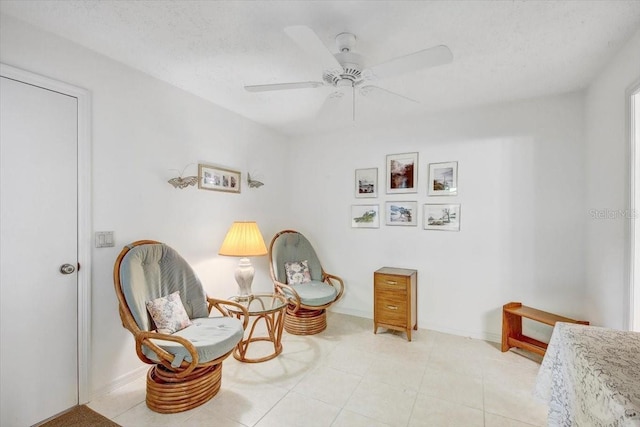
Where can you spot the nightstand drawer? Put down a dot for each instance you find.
(391, 310)
(384, 282)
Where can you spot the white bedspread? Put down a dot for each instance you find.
(590, 377)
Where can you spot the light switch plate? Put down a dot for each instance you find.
(104, 239)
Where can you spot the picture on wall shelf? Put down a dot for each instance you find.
(442, 217)
(402, 173)
(367, 183)
(443, 179)
(401, 213)
(365, 216)
(218, 179)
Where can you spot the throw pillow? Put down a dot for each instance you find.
(168, 313)
(297, 272)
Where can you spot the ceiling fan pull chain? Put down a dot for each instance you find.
(353, 91)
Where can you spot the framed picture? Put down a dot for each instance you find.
(365, 216)
(218, 179)
(402, 173)
(367, 182)
(443, 179)
(442, 217)
(401, 213)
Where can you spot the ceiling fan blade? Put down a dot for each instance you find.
(368, 90)
(282, 86)
(432, 57)
(309, 41)
(336, 106)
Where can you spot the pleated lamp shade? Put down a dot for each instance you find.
(243, 240)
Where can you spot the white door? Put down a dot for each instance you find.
(634, 134)
(39, 230)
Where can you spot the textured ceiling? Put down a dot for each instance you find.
(503, 50)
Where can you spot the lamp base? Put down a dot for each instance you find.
(244, 277)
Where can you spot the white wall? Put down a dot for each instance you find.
(141, 129)
(521, 189)
(607, 161)
(521, 186)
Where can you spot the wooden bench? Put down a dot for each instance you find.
(512, 314)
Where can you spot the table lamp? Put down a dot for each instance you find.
(244, 240)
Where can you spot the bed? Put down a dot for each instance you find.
(590, 376)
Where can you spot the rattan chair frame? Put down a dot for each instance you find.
(302, 319)
(173, 389)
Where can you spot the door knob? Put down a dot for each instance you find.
(67, 269)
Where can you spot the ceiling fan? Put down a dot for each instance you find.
(344, 70)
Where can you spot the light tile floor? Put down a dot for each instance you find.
(348, 377)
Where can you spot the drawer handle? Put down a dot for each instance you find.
(390, 282)
(392, 307)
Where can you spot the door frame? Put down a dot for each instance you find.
(84, 212)
(633, 245)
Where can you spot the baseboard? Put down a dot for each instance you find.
(479, 335)
(352, 312)
(120, 381)
(482, 335)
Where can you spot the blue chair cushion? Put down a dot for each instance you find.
(294, 247)
(152, 271)
(315, 293)
(212, 337)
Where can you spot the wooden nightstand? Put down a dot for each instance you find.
(394, 299)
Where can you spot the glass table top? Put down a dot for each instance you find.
(259, 303)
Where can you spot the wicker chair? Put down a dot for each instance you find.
(187, 363)
(308, 301)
